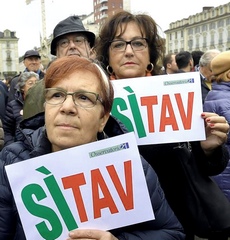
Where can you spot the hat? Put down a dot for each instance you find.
(72, 24)
(31, 53)
(221, 63)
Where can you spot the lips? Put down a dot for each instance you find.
(129, 63)
(66, 125)
(74, 53)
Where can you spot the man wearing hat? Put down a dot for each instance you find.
(69, 38)
(32, 62)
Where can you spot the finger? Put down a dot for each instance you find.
(90, 234)
(221, 135)
(216, 119)
(222, 127)
(208, 114)
(228, 127)
(82, 233)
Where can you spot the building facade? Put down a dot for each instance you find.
(9, 60)
(89, 24)
(107, 8)
(11, 64)
(209, 29)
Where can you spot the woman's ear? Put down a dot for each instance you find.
(103, 122)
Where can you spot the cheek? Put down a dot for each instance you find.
(145, 56)
(59, 52)
(25, 90)
(49, 115)
(93, 118)
(49, 125)
(112, 59)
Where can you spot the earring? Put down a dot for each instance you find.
(149, 69)
(110, 72)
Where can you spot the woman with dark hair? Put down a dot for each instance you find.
(129, 46)
(148, 46)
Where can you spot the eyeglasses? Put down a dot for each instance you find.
(78, 41)
(55, 96)
(137, 44)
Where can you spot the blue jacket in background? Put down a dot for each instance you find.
(218, 101)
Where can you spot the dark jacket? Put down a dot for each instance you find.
(166, 161)
(218, 101)
(13, 117)
(35, 143)
(1, 136)
(3, 99)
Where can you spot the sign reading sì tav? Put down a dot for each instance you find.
(161, 109)
(90, 186)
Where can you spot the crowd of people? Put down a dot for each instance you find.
(40, 118)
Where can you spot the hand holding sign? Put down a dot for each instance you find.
(91, 234)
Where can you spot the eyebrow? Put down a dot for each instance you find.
(79, 90)
(133, 38)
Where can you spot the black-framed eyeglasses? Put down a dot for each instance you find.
(78, 41)
(56, 96)
(137, 44)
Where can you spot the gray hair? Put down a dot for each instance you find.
(207, 57)
(23, 79)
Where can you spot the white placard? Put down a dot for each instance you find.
(161, 109)
(100, 185)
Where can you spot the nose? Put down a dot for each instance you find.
(71, 44)
(68, 107)
(129, 49)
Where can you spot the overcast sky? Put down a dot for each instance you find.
(26, 21)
